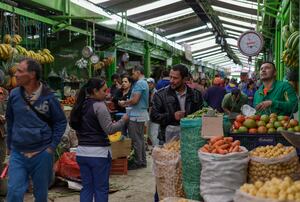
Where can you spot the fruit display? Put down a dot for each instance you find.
(221, 145)
(201, 112)
(267, 162)
(69, 101)
(168, 170)
(264, 124)
(11, 47)
(290, 56)
(277, 189)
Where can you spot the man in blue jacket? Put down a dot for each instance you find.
(35, 125)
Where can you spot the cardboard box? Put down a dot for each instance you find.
(212, 126)
(121, 148)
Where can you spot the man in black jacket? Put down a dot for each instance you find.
(175, 101)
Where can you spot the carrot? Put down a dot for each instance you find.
(228, 139)
(236, 143)
(215, 139)
(214, 151)
(236, 148)
(225, 146)
(219, 143)
(206, 146)
(220, 151)
(204, 150)
(230, 149)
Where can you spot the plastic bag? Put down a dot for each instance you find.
(244, 197)
(222, 175)
(264, 169)
(67, 166)
(247, 110)
(172, 132)
(168, 172)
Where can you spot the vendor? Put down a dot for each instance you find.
(274, 96)
(233, 102)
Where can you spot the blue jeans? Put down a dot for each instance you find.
(94, 172)
(39, 168)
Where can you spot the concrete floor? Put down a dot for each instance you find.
(137, 186)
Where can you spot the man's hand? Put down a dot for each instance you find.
(122, 103)
(50, 150)
(2, 119)
(179, 115)
(125, 117)
(263, 105)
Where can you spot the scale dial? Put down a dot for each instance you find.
(250, 43)
(94, 59)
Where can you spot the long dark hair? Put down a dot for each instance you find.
(85, 91)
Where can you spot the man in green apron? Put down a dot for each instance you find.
(274, 96)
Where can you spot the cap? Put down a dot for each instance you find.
(150, 80)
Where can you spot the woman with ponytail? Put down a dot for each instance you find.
(92, 122)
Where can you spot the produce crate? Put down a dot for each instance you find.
(251, 141)
(119, 166)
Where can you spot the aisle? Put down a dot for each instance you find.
(137, 186)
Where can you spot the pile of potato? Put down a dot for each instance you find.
(263, 168)
(168, 170)
(277, 189)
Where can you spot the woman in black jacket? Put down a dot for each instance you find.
(92, 122)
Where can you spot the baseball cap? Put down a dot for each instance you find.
(150, 80)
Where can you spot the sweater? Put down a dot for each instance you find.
(26, 132)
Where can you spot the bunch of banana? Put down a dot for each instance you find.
(47, 57)
(285, 33)
(16, 39)
(290, 56)
(7, 38)
(6, 51)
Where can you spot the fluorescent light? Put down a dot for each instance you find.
(209, 25)
(205, 44)
(185, 32)
(237, 13)
(150, 6)
(235, 27)
(98, 1)
(166, 17)
(242, 4)
(210, 53)
(206, 51)
(201, 40)
(193, 37)
(238, 22)
(233, 32)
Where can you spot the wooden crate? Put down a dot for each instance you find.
(119, 166)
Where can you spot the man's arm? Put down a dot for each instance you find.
(59, 123)
(158, 112)
(225, 104)
(290, 101)
(134, 99)
(9, 122)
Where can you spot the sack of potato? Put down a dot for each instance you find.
(278, 161)
(222, 172)
(167, 170)
(275, 190)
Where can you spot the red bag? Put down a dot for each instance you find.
(67, 166)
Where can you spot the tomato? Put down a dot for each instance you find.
(252, 130)
(237, 124)
(240, 118)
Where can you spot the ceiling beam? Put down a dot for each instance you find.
(123, 5)
(191, 34)
(205, 49)
(238, 25)
(209, 52)
(191, 40)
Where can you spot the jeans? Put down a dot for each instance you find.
(39, 168)
(94, 172)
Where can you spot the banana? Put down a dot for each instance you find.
(295, 44)
(4, 50)
(291, 39)
(7, 39)
(47, 51)
(17, 39)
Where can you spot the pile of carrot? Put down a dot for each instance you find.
(221, 145)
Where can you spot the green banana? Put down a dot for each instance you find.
(295, 43)
(290, 40)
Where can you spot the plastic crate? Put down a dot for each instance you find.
(251, 141)
(119, 166)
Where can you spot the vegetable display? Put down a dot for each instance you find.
(221, 145)
(278, 189)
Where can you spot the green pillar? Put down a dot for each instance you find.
(147, 59)
(112, 68)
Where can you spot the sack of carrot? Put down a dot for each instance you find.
(221, 145)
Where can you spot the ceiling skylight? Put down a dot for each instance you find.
(193, 37)
(185, 32)
(239, 3)
(206, 51)
(237, 13)
(166, 17)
